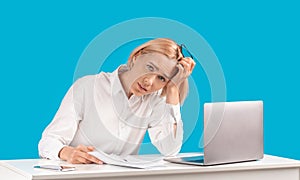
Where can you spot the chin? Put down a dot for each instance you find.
(139, 94)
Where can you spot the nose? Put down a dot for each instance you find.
(148, 81)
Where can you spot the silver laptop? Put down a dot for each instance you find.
(233, 132)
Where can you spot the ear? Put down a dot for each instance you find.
(131, 62)
(133, 59)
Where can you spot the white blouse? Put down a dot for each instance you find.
(96, 112)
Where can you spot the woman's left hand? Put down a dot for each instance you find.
(185, 67)
(184, 70)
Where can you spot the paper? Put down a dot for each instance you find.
(129, 161)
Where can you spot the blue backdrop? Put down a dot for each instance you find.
(256, 42)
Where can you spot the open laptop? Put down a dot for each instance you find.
(233, 132)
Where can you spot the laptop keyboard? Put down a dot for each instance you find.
(196, 159)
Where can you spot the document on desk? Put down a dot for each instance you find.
(129, 161)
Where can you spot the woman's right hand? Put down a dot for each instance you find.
(78, 155)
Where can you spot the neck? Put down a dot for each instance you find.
(124, 79)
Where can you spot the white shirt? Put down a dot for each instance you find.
(96, 112)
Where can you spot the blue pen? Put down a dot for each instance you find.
(55, 167)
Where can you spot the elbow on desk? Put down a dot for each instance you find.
(168, 150)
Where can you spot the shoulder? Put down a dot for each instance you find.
(104, 77)
(85, 80)
(89, 83)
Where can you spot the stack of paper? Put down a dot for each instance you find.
(129, 161)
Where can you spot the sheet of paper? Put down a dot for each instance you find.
(129, 161)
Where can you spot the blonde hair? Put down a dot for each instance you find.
(168, 48)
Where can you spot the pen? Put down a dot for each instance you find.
(55, 167)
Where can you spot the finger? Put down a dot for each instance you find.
(193, 65)
(187, 59)
(82, 160)
(185, 65)
(85, 158)
(92, 159)
(73, 161)
(91, 148)
(77, 159)
(85, 148)
(77, 156)
(180, 68)
(189, 64)
(190, 61)
(84, 154)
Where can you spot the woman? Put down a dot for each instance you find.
(111, 112)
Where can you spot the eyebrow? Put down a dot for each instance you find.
(156, 67)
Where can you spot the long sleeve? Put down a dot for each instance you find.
(63, 127)
(162, 133)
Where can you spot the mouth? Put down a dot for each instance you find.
(142, 88)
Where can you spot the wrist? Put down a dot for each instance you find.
(64, 152)
(172, 95)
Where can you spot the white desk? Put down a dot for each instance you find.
(271, 167)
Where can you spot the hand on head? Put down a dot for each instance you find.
(184, 67)
(78, 155)
(177, 87)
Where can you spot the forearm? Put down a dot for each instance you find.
(173, 98)
(50, 147)
(164, 140)
(168, 134)
(172, 95)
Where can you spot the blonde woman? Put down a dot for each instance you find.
(111, 112)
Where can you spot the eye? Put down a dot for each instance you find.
(161, 78)
(150, 68)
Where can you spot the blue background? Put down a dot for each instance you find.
(256, 42)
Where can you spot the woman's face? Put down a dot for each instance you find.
(150, 73)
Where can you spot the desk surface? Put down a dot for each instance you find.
(24, 168)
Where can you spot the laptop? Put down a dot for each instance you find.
(233, 132)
